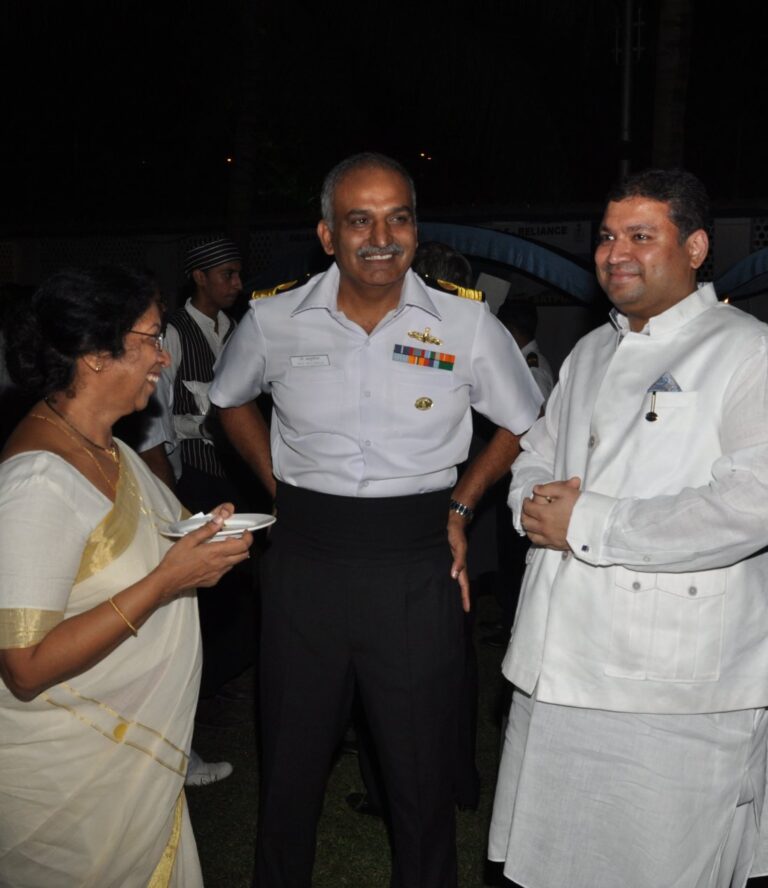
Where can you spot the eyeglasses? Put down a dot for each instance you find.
(158, 337)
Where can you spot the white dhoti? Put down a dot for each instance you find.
(594, 799)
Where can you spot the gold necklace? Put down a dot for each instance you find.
(111, 450)
(114, 452)
(115, 456)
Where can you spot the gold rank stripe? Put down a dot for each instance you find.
(273, 291)
(464, 292)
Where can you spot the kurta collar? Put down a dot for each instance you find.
(670, 320)
(325, 289)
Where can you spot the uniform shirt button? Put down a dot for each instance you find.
(364, 484)
(636, 586)
(564, 556)
(367, 443)
(692, 590)
(366, 394)
(592, 440)
(646, 558)
(585, 548)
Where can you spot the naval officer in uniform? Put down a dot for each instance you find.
(372, 376)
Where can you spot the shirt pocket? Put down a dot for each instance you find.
(669, 405)
(667, 627)
(424, 401)
(315, 398)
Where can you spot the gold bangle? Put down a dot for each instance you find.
(128, 623)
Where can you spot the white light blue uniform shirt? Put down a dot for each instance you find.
(345, 418)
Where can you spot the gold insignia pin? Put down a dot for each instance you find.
(423, 403)
(426, 336)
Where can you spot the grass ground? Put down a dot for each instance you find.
(352, 850)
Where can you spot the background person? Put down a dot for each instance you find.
(521, 319)
(99, 638)
(182, 433)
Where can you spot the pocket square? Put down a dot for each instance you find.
(665, 383)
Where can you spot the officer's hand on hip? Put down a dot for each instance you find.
(457, 540)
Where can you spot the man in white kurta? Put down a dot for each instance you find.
(635, 754)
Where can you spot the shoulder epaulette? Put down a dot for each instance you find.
(280, 288)
(464, 292)
(273, 291)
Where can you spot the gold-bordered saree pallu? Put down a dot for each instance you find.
(92, 770)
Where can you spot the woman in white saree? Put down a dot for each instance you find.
(99, 641)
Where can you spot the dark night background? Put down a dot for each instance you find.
(122, 115)
(118, 118)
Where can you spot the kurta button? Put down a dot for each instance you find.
(646, 558)
(636, 586)
(592, 440)
(366, 394)
(367, 443)
(585, 548)
(692, 590)
(564, 556)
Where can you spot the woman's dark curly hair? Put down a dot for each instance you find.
(75, 312)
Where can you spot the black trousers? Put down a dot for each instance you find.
(466, 779)
(357, 592)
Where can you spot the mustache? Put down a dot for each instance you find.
(622, 268)
(393, 248)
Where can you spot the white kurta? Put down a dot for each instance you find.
(660, 608)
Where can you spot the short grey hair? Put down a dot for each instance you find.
(366, 160)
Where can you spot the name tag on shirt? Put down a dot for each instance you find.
(310, 361)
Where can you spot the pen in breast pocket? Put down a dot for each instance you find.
(652, 415)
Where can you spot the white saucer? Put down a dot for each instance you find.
(234, 526)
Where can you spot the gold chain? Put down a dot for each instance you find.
(111, 450)
(128, 476)
(115, 455)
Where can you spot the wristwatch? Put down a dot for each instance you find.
(461, 509)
